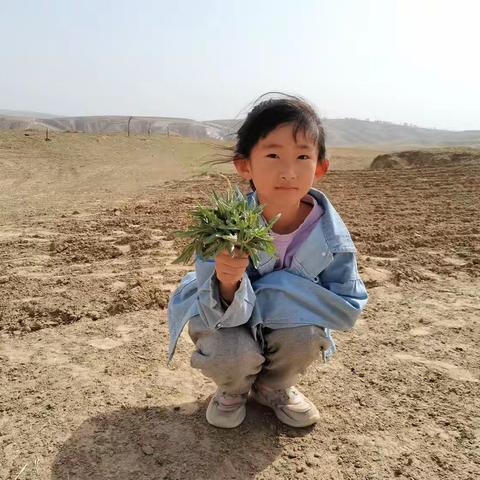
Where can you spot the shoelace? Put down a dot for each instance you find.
(284, 394)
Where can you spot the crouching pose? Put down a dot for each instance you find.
(257, 329)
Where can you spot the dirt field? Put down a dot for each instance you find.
(80, 171)
(85, 391)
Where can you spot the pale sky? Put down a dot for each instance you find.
(413, 61)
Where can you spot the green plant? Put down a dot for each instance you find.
(230, 223)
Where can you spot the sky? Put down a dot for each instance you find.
(402, 61)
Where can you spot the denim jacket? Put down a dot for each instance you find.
(321, 287)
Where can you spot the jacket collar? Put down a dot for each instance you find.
(329, 236)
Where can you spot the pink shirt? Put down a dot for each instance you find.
(288, 243)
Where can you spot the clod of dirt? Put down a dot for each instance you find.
(425, 158)
(84, 250)
(138, 295)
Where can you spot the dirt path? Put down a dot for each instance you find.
(86, 392)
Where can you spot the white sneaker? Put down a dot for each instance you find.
(289, 404)
(226, 410)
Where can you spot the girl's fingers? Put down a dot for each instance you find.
(229, 277)
(234, 270)
(233, 262)
(230, 271)
(237, 253)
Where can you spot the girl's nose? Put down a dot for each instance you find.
(287, 171)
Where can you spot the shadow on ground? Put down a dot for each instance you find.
(170, 443)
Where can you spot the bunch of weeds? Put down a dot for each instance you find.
(230, 223)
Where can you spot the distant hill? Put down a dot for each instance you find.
(341, 132)
(20, 113)
(350, 131)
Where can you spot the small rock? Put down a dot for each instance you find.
(311, 460)
(147, 449)
(35, 326)
(75, 212)
(119, 286)
(300, 469)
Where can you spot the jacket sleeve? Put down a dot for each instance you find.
(333, 300)
(341, 278)
(209, 303)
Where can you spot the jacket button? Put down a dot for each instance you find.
(316, 279)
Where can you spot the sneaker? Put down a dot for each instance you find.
(289, 404)
(226, 410)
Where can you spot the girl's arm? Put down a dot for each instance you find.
(334, 299)
(198, 295)
(209, 300)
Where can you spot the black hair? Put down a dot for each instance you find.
(267, 115)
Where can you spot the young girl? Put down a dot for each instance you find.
(257, 330)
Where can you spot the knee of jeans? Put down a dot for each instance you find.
(196, 328)
(318, 338)
(308, 339)
(237, 363)
(246, 360)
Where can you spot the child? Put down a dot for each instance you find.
(257, 330)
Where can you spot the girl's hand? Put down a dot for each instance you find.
(229, 271)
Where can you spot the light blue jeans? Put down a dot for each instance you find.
(234, 360)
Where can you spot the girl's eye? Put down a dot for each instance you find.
(301, 157)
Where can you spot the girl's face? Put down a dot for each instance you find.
(282, 170)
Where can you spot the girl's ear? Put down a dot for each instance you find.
(322, 168)
(243, 167)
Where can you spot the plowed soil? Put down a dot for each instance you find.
(86, 392)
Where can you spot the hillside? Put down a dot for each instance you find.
(340, 132)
